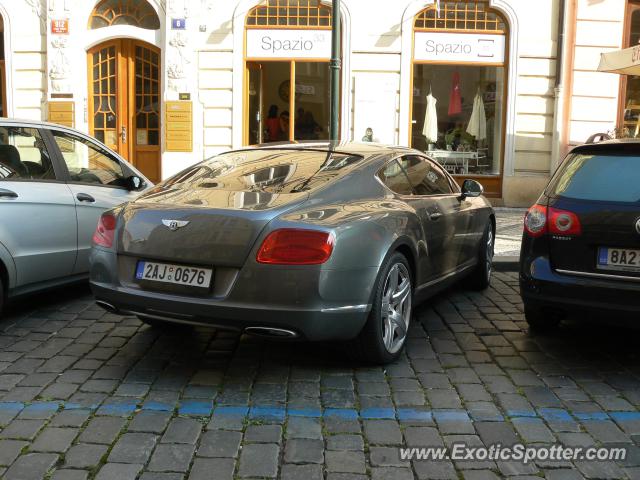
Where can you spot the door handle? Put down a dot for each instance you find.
(85, 197)
(123, 134)
(435, 215)
(7, 193)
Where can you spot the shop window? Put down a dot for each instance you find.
(630, 94)
(136, 13)
(288, 45)
(459, 80)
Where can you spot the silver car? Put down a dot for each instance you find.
(55, 182)
(317, 242)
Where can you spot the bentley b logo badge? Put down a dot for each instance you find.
(174, 224)
(638, 226)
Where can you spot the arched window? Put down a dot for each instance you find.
(137, 13)
(459, 89)
(461, 17)
(281, 13)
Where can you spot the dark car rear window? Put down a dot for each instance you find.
(598, 176)
(272, 171)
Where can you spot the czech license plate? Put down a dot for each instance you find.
(177, 274)
(619, 259)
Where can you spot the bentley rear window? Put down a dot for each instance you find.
(599, 177)
(272, 171)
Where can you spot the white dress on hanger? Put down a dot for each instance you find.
(430, 129)
(478, 121)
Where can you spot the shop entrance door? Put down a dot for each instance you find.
(286, 101)
(124, 101)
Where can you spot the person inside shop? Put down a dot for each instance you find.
(274, 133)
(368, 135)
(309, 129)
(284, 126)
(299, 122)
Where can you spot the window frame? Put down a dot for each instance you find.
(59, 172)
(126, 171)
(631, 7)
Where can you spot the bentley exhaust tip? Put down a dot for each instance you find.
(270, 332)
(107, 306)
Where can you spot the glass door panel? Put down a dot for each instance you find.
(104, 95)
(254, 90)
(312, 101)
(275, 79)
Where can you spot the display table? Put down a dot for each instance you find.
(453, 162)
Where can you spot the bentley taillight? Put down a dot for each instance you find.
(289, 246)
(105, 231)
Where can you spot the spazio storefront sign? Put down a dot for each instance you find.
(459, 47)
(288, 44)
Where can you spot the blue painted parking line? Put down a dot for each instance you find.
(341, 413)
(378, 413)
(591, 416)
(625, 416)
(305, 412)
(521, 413)
(11, 406)
(206, 408)
(413, 415)
(199, 408)
(268, 413)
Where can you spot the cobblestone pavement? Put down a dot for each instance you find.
(88, 394)
(509, 231)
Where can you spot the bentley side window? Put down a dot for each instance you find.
(395, 179)
(426, 179)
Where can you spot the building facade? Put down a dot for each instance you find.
(475, 83)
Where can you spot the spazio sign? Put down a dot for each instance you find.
(288, 44)
(459, 47)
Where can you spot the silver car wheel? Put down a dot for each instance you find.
(396, 308)
(490, 252)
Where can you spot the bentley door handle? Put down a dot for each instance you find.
(435, 215)
(85, 197)
(7, 193)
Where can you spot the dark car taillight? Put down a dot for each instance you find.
(105, 231)
(541, 220)
(290, 246)
(535, 221)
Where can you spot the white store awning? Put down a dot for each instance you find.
(625, 61)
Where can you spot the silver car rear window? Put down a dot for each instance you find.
(270, 170)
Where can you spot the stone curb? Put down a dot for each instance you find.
(506, 263)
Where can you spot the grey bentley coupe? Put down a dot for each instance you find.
(310, 241)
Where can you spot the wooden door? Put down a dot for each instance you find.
(124, 101)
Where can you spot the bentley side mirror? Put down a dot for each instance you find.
(135, 183)
(471, 189)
